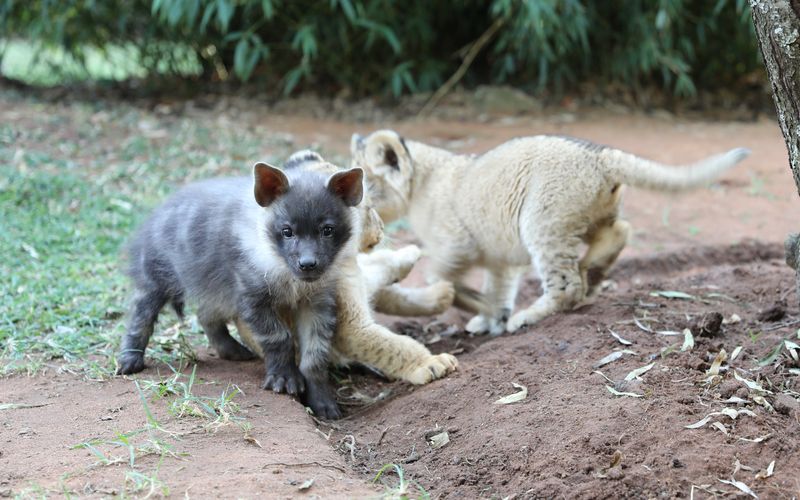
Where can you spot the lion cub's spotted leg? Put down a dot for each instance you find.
(605, 245)
(500, 292)
(556, 258)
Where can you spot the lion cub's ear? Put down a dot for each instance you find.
(348, 185)
(389, 146)
(269, 183)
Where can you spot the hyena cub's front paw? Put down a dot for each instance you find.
(321, 399)
(286, 378)
(130, 362)
(434, 367)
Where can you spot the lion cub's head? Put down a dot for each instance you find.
(385, 159)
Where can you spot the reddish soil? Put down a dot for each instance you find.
(570, 437)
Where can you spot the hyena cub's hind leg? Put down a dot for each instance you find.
(221, 340)
(144, 313)
(605, 245)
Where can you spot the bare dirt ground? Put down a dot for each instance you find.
(570, 437)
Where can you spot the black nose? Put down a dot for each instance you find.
(307, 263)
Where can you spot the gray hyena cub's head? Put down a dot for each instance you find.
(310, 217)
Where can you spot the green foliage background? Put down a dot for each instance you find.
(393, 47)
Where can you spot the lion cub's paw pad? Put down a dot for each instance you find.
(434, 367)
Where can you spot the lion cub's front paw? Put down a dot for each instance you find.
(404, 260)
(434, 367)
(523, 318)
(442, 294)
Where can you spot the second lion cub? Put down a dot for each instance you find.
(533, 200)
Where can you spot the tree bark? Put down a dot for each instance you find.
(777, 24)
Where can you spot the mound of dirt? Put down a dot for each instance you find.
(571, 437)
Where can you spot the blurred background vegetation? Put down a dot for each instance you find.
(356, 48)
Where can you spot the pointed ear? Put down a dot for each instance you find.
(348, 185)
(270, 183)
(389, 146)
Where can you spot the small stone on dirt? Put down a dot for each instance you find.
(710, 325)
(728, 388)
(615, 474)
(786, 404)
(774, 313)
(677, 463)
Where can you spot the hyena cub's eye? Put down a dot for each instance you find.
(327, 231)
(287, 232)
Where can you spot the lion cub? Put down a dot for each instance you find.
(533, 200)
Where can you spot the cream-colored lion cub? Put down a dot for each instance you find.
(533, 200)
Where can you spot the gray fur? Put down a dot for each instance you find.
(213, 244)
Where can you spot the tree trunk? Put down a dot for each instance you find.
(777, 24)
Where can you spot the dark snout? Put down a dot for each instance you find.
(308, 266)
(307, 263)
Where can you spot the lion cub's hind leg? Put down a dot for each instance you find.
(500, 293)
(605, 245)
(556, 257)
(431, 300)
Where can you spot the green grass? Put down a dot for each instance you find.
(155, 439)
(75, 180)
(403, 489)
(21, 60)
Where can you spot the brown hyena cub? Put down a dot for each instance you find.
(263, 250)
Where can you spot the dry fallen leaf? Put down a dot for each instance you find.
(735, 399)
(688, 340)
(439, 440)
(638, 372)
(613, 357)
(620, 339)
(513, 398)
(751, 384)
(306, 485)
(620, 393)
(767, 473)
(792, 348)
(720, 427)
(740, 486)
(735, 353)
(616, 458)
(733, 319)
(699, 423)
(250, 439)
(672, 294)
(715, 365)
(756, 440)
(763, 402)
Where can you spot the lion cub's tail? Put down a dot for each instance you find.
(632, 170)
